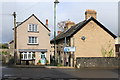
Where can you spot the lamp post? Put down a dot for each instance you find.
(55, 3)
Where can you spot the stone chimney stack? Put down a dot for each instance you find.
(90, 13)
(68, 25)
(47, 22)
(58, 32)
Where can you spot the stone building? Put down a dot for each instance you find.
(33, 42)
(88, 38)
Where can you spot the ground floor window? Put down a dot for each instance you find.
(27, 55)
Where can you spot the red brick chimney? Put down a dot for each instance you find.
(58, 32)
(46, 22)
(90, 13)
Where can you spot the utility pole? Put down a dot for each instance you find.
(15, 37)
(55, 3)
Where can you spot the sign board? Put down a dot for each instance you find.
(69, 49)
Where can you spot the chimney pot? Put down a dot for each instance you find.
(46, 22)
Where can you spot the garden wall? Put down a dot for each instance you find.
(98, 62)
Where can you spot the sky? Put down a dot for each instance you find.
(107, 13)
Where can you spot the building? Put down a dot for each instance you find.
(64, 25)
(117, 40)
(33, 42)
(11, 47)
(88, 38)
(117, 46)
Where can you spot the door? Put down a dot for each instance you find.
(43, 58)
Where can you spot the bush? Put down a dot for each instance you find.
(39, 61)
(11, 61)
(47, 61)
(59, 65)
(4, 52)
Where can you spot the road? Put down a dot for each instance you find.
(48, 73)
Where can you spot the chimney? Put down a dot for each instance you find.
(58, 32)
(47, 22)
(68, 25)
(90, 13)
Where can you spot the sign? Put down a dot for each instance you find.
(69, 49)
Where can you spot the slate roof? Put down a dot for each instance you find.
(36, 18)
(11, 41)
(74, 29)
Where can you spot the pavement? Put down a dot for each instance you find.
(52, 67)
(36, 66)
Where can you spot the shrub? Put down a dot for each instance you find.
(39, 61)
(59, 65)
(11, 61)
(47, 61)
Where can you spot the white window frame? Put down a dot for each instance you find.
(27, 55)
(33, 27)
(32, 40)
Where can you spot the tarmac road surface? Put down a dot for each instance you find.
(59, 74)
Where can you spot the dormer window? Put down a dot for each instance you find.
(33, 27)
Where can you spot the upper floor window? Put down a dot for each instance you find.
(33, 40)
(32, 27)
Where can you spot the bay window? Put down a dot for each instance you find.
(27, 55)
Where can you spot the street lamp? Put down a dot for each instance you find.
(55, 3)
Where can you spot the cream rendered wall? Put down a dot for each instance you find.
(96, 39)
(43, 37)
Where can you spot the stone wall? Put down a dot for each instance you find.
(98, 62)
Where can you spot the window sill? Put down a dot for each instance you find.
(32, 44)
(27, 59)
(34, 31)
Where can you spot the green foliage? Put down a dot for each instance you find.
(4, 53)
(33, 55)
(104, 52)
(11, 61)
(110, 53)
(107, 52)
(3, 46)
(39, 61)
(59, 65)
(47, 61)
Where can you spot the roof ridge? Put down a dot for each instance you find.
(80, 25)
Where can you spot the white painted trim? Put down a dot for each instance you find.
(27, 58)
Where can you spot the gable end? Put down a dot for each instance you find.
(98, 23)
(36, 18)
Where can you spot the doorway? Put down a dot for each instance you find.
(43, 58)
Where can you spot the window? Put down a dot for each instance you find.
(32, 40)
(32, 27)
(52, 46)
(27, 55)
